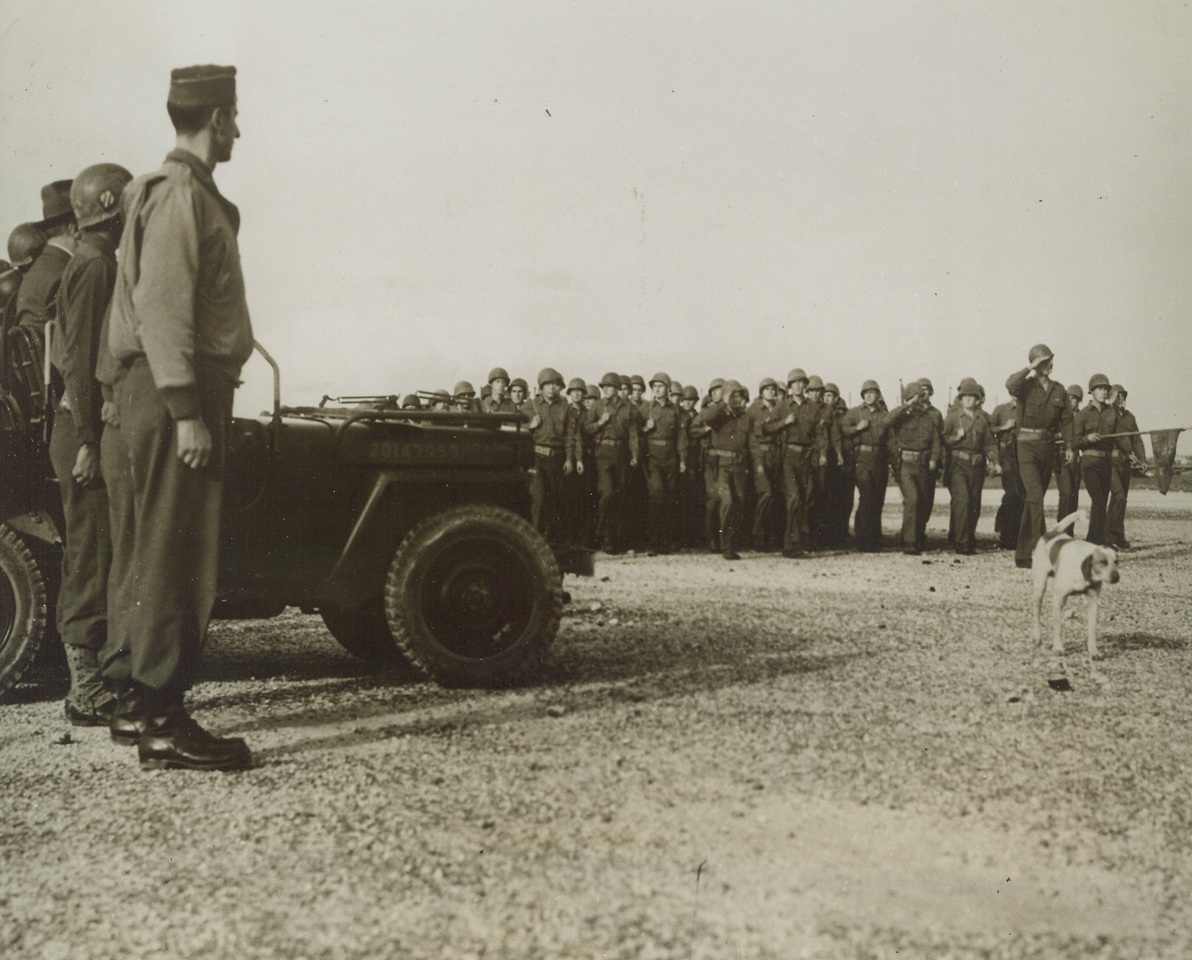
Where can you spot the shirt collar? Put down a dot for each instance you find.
(185, 157)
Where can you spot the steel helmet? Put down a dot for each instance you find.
(733, 386)
(815, 383)
(1118, 389)
(498, 373)
(1075, 390)
(411, 402)
(1040, 351)
(796, 374)
(464, 389)
(625, 382)
(690, 393)
(870, 385)
(577, 383)
(662, 378)
(926, 383)
(910, 391)
(95, 193)
(549, 375)
(716, 382)
(675, 389)
(517, 383)
(25, 244)
(1098, 380)
(637, 380)
(968, 386)
(611, 380)
(831, 388)
(593, 391)
(767, 382)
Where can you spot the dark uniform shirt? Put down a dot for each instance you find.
(762, 413)
(869, 439)
(978, 434)
(1094, 419)
(668, 436)
(731, 432)
(621, 425)
(1039, 407)
(558, 428)
(36, 299)
(1130, 446)
(806, 430)
(83, 298)
(914, 430)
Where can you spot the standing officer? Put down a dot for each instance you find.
(1128, 451)
(83, 298)
(1044, 419)
(39, 290)
(970, 439)
(1096, 454)
(180, 328)
(557, 451)
(804, 450)
(767, 471)
(918, 443)
(1067, 477)
(864, 427)
(665, 432)
(612, 425)
(942, 466)
(1003, 420)
(732, 446)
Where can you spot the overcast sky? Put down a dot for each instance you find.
(863, 189)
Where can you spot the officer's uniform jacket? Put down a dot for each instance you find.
(978, 439)
(667, 438)
(488, 405)
(915, 431)
(867, 442)
(83, 298)
(179, 300)
(557, 434)
(761, 414)
(805, 433)
(1040, 408)
(621, 430)
(732, 435)
(1094, 419)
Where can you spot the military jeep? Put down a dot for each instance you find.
(407, 531)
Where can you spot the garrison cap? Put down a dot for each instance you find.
(577, 383)
(464, 389)
(716, 382)
(831, 388)
(870, 385)
(766, 382)
(1076, 390)
(1098, 380)
(205, 85)
(611, 380)
(662, 378)
(25, 244)
(518, 382)
(549, 375)
(968, 386)
(796, 374)
(498, 373)
(690, 393)
(55, 201)
(815, 383)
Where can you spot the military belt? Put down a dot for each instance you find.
(912, 454)
(544, 451)
(967, 455)
(799, 447)
(867, 448)
(725, 456)
(661, 443)
(606, 440)
(1033, 434)
(1094, 453)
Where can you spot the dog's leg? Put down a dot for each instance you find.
(1094, 605)
(1040, 589)
(1057, 639)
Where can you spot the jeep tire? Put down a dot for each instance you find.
(363, 632)
(474, 596)
(22, 609)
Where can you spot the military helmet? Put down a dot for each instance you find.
(549, 375)
(637, 380)
(870, 385)
(924, 382)
(910, 391)
(733, 386)
(411, 402)
(593, 391)
(1077, 391)
(690, 393)
(442, 394)
(485, 392)
(1098, 380)
(498, 373)
(796, 374)
(830, 387)
(980, 393)
(968, 386)
(610, 380)
(464, 389)
(662, 378)
(625, 382)
(675, 389)
(25, 244)
(767, 382)
(517, 383)
(95, 193)
(577, 383)
(1040, 351)
(716, 382)
(1119, 390)
(815, 383)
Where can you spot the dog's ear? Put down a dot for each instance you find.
(1086, 567)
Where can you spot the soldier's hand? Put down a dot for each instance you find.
(194, 442)
(579, 467)
(649, 424)
(605, 417)
(86, 466)
(1069, 456)
(1094, 436)
(862, 424)
(109, 413)
(633, 461)
(535, 422)
(682, 468)
(790, 418)
(931, 466)
(823, 460)
(960, 433)
(568, 466)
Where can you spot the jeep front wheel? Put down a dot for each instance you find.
(22, 608)
(363, 632)
(474, 596)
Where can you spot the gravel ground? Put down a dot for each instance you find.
(848, 756)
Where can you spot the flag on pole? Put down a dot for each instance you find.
(1163, 444)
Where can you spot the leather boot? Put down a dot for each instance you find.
(128, 718)
(172, 740)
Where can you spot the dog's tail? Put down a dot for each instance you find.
(1066, 523)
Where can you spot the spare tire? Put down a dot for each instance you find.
(474, 596)
(22, 608)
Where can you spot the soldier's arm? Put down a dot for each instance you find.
(1017, 383)
(1067, 425)
(84, 307)
(682, 438)
(952, 431)
(631, 428)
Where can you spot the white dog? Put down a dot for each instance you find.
(1078, 567)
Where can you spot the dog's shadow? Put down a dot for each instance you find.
(1113, 645)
